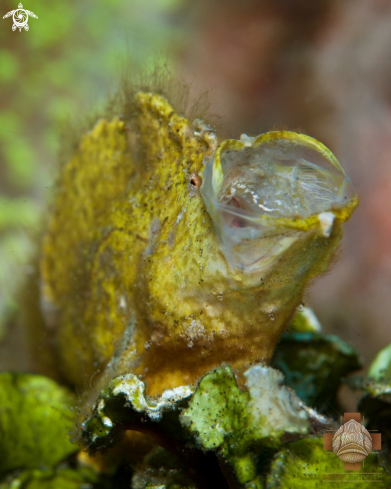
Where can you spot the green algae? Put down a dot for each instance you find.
(217, 409)
(214, 435)
(218, 431)
(35, 420)
(304, 320)
(59, 478)
(305, 464)
(380, 368)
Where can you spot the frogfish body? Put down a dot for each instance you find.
(167, 252)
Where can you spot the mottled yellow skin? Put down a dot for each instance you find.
(133, 276)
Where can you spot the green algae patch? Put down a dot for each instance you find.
(59, 478)
(35, 419)
(220, 433)
(314, 364)
(304, 321)
(305, 464)
(241, 426)
(217, 409)
(380, 368)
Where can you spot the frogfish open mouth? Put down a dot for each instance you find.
(263, 193)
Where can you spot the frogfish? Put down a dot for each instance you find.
(168, 252)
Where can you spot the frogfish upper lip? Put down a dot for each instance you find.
(263, 193)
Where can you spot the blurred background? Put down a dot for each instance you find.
(319, 67)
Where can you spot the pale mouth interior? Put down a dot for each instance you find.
(279, 180)
(259, 194)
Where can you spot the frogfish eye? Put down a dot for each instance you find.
(263, 193)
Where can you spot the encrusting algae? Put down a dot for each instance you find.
(168, 252)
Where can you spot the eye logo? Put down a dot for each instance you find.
(352, 442)
(20, 17)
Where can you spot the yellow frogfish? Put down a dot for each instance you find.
(168, 252)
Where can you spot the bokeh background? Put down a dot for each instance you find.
(321, 67)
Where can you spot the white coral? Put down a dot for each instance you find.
(275, 408)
